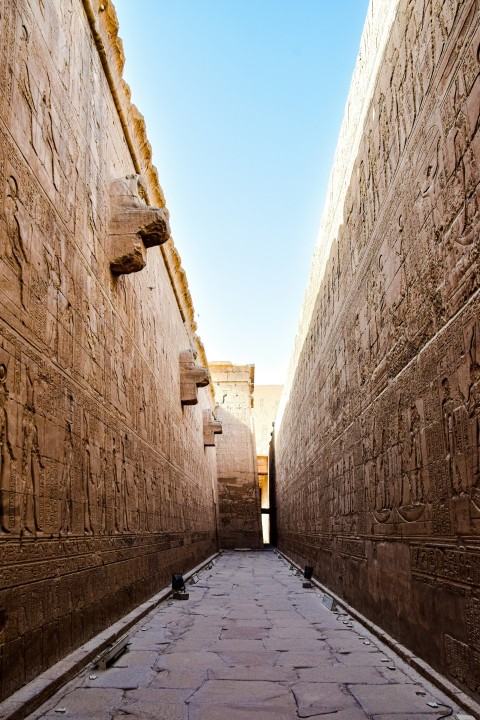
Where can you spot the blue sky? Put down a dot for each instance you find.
(243, 101)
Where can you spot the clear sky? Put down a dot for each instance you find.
(243, 101)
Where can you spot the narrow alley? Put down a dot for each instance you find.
(250, 642)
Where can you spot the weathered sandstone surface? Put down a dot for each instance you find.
(238, 490)
(378, 438)
(106, 482)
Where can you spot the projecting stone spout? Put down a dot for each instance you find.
(134, 225)
(211, 427)
(192, 376)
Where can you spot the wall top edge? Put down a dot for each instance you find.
(104, 25)
(375, 35)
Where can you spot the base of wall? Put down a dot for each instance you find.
(35, 693)
(415, 662)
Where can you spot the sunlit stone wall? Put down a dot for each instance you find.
(106, 486)
(238, 490)
(378, 436)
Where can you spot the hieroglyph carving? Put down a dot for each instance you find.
(211, 427)
(134, 226)
(192, 376)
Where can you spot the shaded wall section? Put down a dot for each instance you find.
(239, 493)
(378, 437)
(105, 484)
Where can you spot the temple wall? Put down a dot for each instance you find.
(106, 485)
(238, 490)
(377, 447)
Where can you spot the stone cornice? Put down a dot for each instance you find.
(104, 27)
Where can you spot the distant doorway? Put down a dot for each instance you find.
(266, 525)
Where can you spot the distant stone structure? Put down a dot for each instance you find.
(378, 437)
(107, 466)
(265, 406)
(238, 490)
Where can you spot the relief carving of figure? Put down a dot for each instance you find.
(117, 489)
(45, 143)
(473, 409)
(32, 466)
(448, 414)
(6, 450)
(87, 478)
(54, 286)
(124, 493)
(416, 454)
(14, 249)
(66, 492)
(28, 109)
(431, 187)
(102, 491)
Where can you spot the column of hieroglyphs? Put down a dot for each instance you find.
(378, 438)
(107, 481)
(239, 494)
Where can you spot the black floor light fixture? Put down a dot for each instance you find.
(307, 574)
(178, 587)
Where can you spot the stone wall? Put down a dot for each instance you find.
(378, 437)
(239, 493)
(106, 484)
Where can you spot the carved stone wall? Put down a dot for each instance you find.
(238, 490)
(105, 484)
(378, 438)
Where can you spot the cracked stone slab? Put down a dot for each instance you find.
(123, 678)
(299, 659)
(144, 643)
(225, 646)
(239, 693)
(87, 703)
(326, 713)
(376, 699)
(151, 704)
(154, 712)
(249, 658)
(178, 678)
(244, 632)
(356, 674)
(133, 658)
(271, 674)
(359, 658)
(323, 695)
(229, 712)
(189, 661)
(286, 644)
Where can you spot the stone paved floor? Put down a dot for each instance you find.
(249, 643)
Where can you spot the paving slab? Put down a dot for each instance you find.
(88, 703)
(229, 712)
(249, 644)
(356, 674)
(320, 696)
(122, 678)
(274, 674)
(145, 658)
(244, 632)
(250, 658)
(251, 693)
(393, 698)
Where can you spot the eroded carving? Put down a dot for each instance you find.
(192, 376)
(134, 226)
(211, 427)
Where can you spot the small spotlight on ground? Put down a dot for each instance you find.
(307, 574)
(178, 587)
